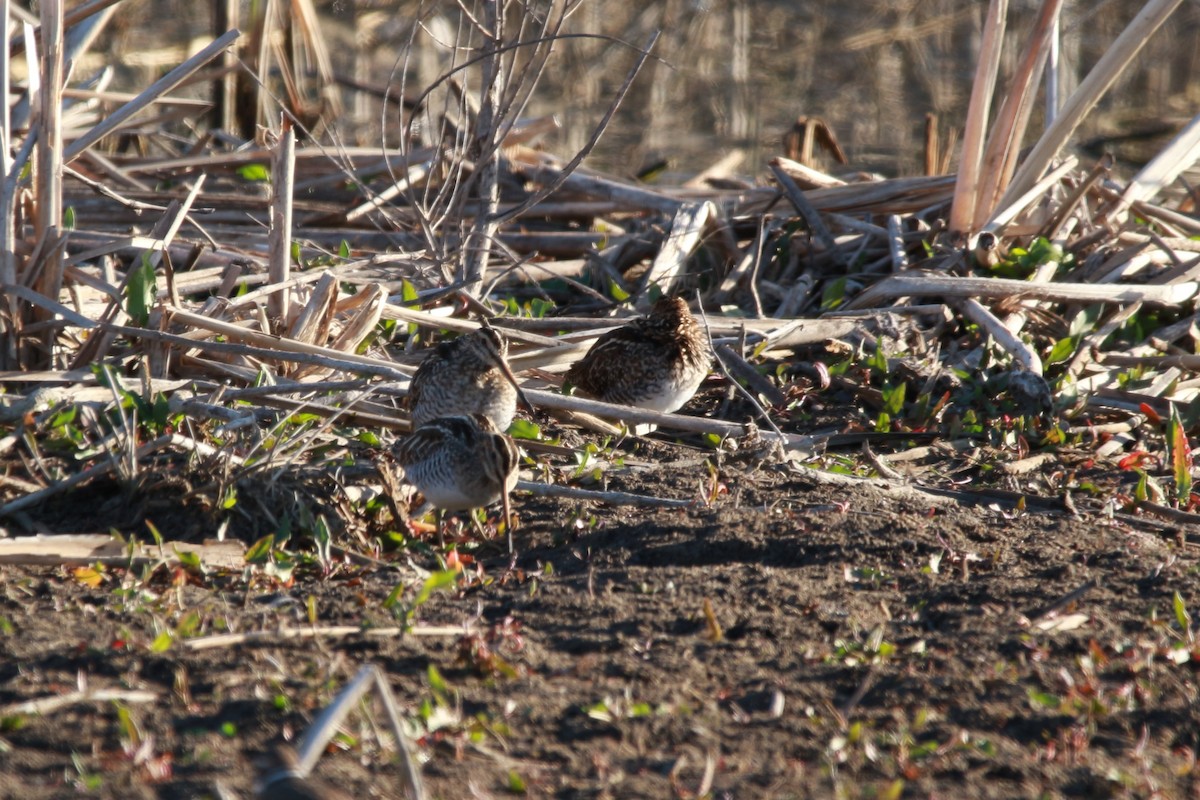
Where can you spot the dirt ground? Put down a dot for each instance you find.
(859, 645)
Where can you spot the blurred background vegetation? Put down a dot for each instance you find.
(733, 74)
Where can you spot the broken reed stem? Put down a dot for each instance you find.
(478, 247)
(1084, 98)
(1022, 353)
(611, 498)
(967, 188)
(48, 197)
(811, 216)
(159, 88)
(9, 309)
(281, 635)
(998, 288)
(283, 178)
(327, 722)
(48, 705)
(1008, 132)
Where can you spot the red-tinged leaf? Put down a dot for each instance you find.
(1133, 460)
(1181, 456)
(454, 561)
(1150, 413)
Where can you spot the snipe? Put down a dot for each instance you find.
(465, 376)
(656, 362)
(460, 463)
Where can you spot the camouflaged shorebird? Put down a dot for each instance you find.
(460, 463)
(465, 376)
(655, 362)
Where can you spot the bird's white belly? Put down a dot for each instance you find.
(672, 397)
(452, 499)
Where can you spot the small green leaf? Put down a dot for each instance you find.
(616, 292)
(516, 784)
(438, 580)
(154, 532)
(260, 551)
(436, 682)
(1043, 699)
(255, 172)
(394, 595)
(188, 626)
(162, 642)
(408, 292)
(524, 429)
(1062, 350)
(1181, 613)
(344, 249)
(893, 399)
(141, 291)
(129, 728)
(69, 218)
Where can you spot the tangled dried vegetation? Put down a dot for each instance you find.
(164, 320)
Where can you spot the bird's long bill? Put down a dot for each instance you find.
(521, 398)
(507, 519)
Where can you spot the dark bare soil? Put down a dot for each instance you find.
(869, 647)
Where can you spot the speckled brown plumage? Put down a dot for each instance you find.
(465, 376)
(460, 463)
(655, 362)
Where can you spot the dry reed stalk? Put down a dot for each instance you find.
(804, 205)
(996, 288)
(10, 312)
(1084, 98)
(805, 176)
(1008, 131)
(88, 549)
(1021, 353)
(967, 188)
(48, 165)
(670, 265)
(282, 348)
(1005, 214)
(1178, 156)
(283, 177)
(159, 88)
(485, 144)
(312, 323)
